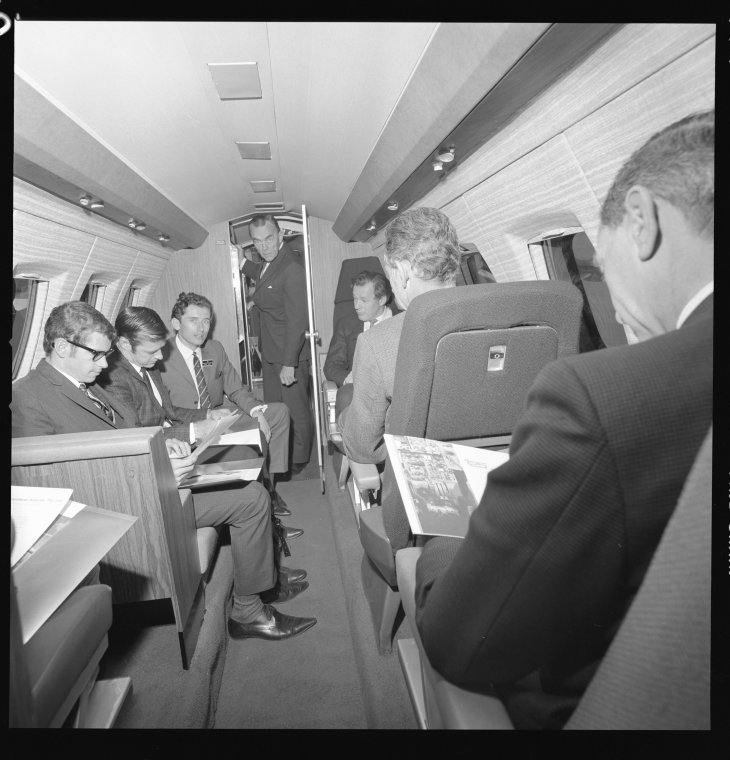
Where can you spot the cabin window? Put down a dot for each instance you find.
(25, 292)
(474, 270)
(568, 255)
(93, 294)
(132, 298)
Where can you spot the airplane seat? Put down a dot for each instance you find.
(342, 307)
(474, 352)
(656, 672)
(57, 667)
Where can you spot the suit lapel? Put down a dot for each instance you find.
(178, 363)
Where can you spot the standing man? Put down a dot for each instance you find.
(529, 601)
(280, 299)
(56, 398)
(198, 375)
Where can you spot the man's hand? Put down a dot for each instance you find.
(180, 458)
(348, 379)
(263, 425)
(216, 414)
(202, 428)
(287, 376)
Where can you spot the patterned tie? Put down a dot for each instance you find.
(202, 386)
(108, 411)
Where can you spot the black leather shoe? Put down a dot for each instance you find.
(293, 532)
(287, 575)
(279, 505)
(271, 625)
(283, 592)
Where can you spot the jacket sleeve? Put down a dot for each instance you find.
(336, 365)
(363, 422)
(29, 417)
(233, 386)
(545, 548)
(295, 307)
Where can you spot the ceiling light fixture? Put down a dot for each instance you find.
(85, 200)
(370, 226)
(446, 154)
(132, 223)
(140, 226)
(438, 166)
(393, 206)
(96, 204)
(163, 238)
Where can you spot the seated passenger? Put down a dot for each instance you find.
(372, 298)
(219, 385)
(55, 398)
(529, 601)
(421, 254)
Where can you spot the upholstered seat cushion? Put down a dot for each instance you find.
(64, 645)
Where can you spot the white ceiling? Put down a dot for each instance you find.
(145, 91)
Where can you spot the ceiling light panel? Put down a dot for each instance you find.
(254, 150)
(236, 81)
(263, 185)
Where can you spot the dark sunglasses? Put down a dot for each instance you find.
(95, 355)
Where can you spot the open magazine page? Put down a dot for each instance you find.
(440, 483)
(219, 428)
(222, 472)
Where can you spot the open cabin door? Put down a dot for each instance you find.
(313, 337)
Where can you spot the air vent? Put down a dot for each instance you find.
(236, 81)
(263, 185)
(254, 150)
(268, 206)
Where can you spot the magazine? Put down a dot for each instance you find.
(204, 475)
(440, 483)
(220, 427)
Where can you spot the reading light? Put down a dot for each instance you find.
(140, 226)
(163, 238)
(96, 204)
(370, 226)
(393, 206)
(446, 155)
(438, 166)
(85, 200)
(132, 223)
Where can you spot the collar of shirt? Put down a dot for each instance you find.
(694, 302)
(387, 313)
(68, 377)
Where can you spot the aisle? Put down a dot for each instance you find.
(310, 680)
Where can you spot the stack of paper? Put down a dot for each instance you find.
(32, 511)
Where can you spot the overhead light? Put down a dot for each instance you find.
(140, 226)
(438, 166)
(446, 154)
(163, 238)
(393, 206)
(132, 223)
(370, 226)
(96, 204)
(85, 200)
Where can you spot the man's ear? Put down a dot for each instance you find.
(61, 348)
(643, 221)
(175, 322)
(403, 270)
(124, 343)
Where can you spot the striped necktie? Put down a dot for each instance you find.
(202, 385)
(108, 411)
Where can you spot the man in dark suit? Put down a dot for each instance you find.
(280, 301)
(220, 384)
(372, 300)
(529, 601)
(55, 398)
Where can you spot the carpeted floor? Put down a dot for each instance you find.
(331, 676)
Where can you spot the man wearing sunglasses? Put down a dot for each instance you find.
(51, 397)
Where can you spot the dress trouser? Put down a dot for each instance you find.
(296, 397)
(247, 512)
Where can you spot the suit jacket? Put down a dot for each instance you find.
(530, 599)
(341, 351)
(365, 420)
(281, 301)
(45, 402)
(123, 382)
(220, 376)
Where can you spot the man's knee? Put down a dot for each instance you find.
(277, 414)
(255, 501)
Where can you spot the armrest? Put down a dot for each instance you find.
(329, 387)
(365, 476)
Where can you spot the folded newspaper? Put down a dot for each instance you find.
(440, 483)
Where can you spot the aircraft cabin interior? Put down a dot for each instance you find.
(142, 152)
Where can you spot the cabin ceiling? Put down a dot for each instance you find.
(146, 92)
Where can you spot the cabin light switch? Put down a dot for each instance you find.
(496, 358)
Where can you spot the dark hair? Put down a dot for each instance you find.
(676, 164)
(261, 219)
(138, 323)
(74, 320)
(426, 238)
(190, 299)
(381, 286)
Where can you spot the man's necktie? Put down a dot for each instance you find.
(148, 382)
(108, 411)
(202, 386)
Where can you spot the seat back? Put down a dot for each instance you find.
(468, 356)
(656, 673)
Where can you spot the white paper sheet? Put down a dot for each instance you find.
(32, 510)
